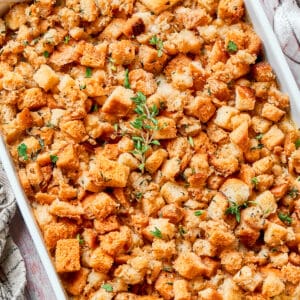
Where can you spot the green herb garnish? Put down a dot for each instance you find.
(254, 181)
(232, 47)
(88, 72)
(155, 41)
(285, 218)
(80, 239)
(67, 39)
(297, 143)
(234, 209)
(108, 287)
(191, 141)
(293, 193)
(54, 159)
(198, 213)
(157, 233)
(46, 54)
(126, 80)
(22, 151)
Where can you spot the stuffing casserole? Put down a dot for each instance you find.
(155, 148)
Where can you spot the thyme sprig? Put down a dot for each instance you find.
(146, 123)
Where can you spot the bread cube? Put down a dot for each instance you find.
(45, 77)
(236, 191)
(217, 207)
(164, 285)
(192, 18)
(89, 10)
(272, 286)
(66, 210)
(119, 103)
(186, 41)
(159, 228)
(16, 16)
(106, 172)
(253, 216)
(32, 99)
(229, 290)
(246, 234)
(170, 168)
(272, 113)
(264, 165)
(174, 193)
(166, 129)
(157, 6)
(113, 30)
(151, 60)
(134, 26)
(273, 137)
(151, 205)
(68, 158)
(189, 265)
(181, 290)
(172, 212)
(209, 294)
(67, 255)
(99, 206)
(101, 261)
(275, 235)
(163, 249)
(122, 52)
(202, 108)
(93, 56)
(260, 125)
(74, 129)
(267, 203)
(224, 115)
(107, 225)
(65, 54)
(231, 11)
(76, 282)
(291, 273)
(247, 279)
(114, 242)
(244, 98)
(204, 248)
(262, 71)
(154, 161)
(142, 81)
(231, 260)
(239, 136)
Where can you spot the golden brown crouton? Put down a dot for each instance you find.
(68, 158)
(157, 6)
(74, 129)
(209, 294)
(231, 11)
(244, 98)
(142, 81)
(100, 260)
(263, 165)
(273, 137)
(291, 273)
(107, 225)
(192, 18)
(247, 279)
(119, 102)
(67, 258)
(202, 108)
(275, 235)
(151, 60)
(164, 285)
(65, 54)
(106, 172)
(113, 30)
(246, 234)
(174, 193)
(231, 260)
(166, 129)
(172, 212)
(163, 249)
(262, 71)
(189, 265)
(45, 77)
(32, 99)
(181, 290)
(159, 228)
(89, 10)
(93, 56)
(16, 16)
(76, 282)
(272, 286)
(224, 115)
(154, 161)
(122, 52)
(239, 136)
(271, 112)
(98, 206)
(65, 209)
(133, 26)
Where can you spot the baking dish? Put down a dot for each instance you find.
(273, 54)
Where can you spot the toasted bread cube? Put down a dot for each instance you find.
(164, 285)
(291, 273)
(217, 207)
(99, 206)
(134, 26)
(76, 282)
(32, 99)
(163, 249)
(101, 261)
(154, 161)
(129, 160)
(151, 205)
(236, 191)
(45, 77)
(224, 115)
(16, 16)
(272, 113)
(68, 158)
(189, 265)
(65, 54)
(122, 52)
(110, 173)
(113, 30)
(67, 255)
(186, 41)
(119, 102)
(231, 260)
(157, 6)
(34, 174)
(244, 98)
(209, 294)
(275, 235)
(66, 210)
(74, 129)
(159, 227)
(172, 212)
(267, 203)
(166, 129)
(231, 11)
(272, 286)
(181, 291)
(93, 56)
(174, 193)
(260, 125)
(170, 168)
(263, 165)
(204, 248)
(273, 137)
(202, 108)
(107, 225)
(89, 10)
(114, 242)
(142, 81)
(262, 71)
(248, 279)
(246, 234)
(230, 291)
(192, 18)
(239, 136)
(150, 59)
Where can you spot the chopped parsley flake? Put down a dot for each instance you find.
(232, 47)
(88, 72)
(155, 41)
(46, 54)
(157, 233)
(198, 213)
(126, 80)
(285, 218)
(54, 158)
(108, 287)
(22, 151)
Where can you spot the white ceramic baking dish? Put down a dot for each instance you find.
(273, 54)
